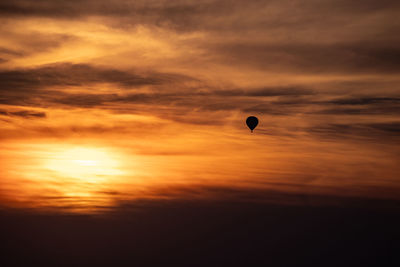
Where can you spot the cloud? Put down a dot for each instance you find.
(267, 91)
(315, 63)
(6, 51)
(84, 100)
(67, 74)
(361, 105)
(45, 84)
(188, 12)
(23, 113)
(379, 131)
(38, 86)
(388, 127)
(312, 57)
(267, 35)
(17, 47)
(366, 101)
(173, 96)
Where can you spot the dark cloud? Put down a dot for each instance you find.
(44, 85)
(84, 100)
(314, 58)
(37, 87)
(180, 15)
(23, 113)
(270, 109)
(65, 74)
(370, 110)
(361, 106)
(171, 98)
(24, 43)
(267, 91)
(380, 132)
(366, 101)
(41, 85)
(189, 12)
(261, 101)
(6, 51)
(389, 127)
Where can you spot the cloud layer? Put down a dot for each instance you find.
(178, 78)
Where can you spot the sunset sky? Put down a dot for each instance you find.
(103, 102)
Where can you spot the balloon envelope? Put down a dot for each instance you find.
(252, 122)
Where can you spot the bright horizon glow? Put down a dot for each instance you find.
(73, 176)
(87, 164)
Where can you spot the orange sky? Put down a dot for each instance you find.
(107, 101)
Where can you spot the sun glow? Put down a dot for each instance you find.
(89, 164)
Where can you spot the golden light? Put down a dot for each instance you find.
(88, 164)
(73, 177)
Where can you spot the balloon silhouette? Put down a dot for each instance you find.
(252, 122)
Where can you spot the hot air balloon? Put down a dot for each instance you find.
(252, 122)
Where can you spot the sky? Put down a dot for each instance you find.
(104, 102)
